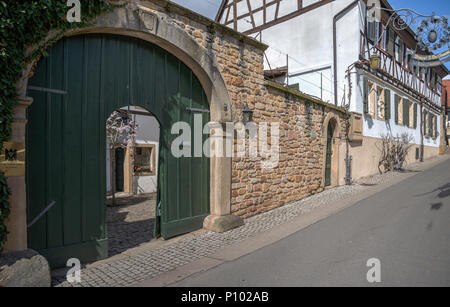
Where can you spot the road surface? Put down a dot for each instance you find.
(406, 227)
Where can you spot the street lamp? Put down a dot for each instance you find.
(247, 114)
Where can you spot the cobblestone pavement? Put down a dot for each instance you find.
(151, 263)
(130, 223)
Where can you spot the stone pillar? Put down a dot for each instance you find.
(17, 221)
(221, 219)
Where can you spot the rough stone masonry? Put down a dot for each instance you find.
(302, 142)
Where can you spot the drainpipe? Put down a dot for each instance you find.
(421, 133)
(335, 19)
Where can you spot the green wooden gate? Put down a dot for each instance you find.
(66, 141)
(329, 155)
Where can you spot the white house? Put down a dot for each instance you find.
(324, 47)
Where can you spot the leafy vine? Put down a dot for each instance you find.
(25, 26)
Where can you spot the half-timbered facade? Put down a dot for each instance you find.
(326, 46)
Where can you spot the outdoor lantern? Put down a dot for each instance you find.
(375, 61)
(247, 114)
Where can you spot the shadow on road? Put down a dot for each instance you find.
(444, 191)
(436, 206)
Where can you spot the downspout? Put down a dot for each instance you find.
(421, 133)
(348, 159)
(335, 19)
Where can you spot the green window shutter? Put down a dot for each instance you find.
(371, 30)
(406, 112)
(400, 52)
(430, 123)
(435, 127)
(387, 104)
(396, 108)
(415, 116)
(391, 42)
(366, 95)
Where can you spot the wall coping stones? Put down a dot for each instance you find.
(213, 26)
(296, 93)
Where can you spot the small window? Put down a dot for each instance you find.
(385, 38)
(372, 99)
(144, 161)
(399, 110)
(380, 103)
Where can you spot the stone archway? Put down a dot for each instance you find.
(333, 121)
(143, 22)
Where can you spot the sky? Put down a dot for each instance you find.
(209, 8)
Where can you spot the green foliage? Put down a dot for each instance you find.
(24, 24)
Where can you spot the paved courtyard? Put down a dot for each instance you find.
(148, 263)
(131, 222)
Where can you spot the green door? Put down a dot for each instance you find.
(329, 155)
(120, 158)
(66, 141)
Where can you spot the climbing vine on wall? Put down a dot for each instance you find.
(25, 24)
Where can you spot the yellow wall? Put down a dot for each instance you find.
(366, 156)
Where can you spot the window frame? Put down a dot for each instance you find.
(152, 161)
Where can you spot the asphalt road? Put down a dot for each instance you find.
(406, 227)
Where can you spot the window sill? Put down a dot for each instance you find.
(144, 174)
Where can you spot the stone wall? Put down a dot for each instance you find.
(302, 141)
(300, 171)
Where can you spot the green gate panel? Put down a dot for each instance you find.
(66, 141)
(119, 160)
(329, 155)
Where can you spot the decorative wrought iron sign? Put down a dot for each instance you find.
(432, 33)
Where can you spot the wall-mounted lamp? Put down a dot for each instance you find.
(375, 61)
(247, 114)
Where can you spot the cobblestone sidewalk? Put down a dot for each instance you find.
(151, 263)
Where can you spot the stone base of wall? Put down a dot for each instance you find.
(366, 156)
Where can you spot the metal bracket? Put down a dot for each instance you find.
(42, 214)
(197, 110)
(48, 90)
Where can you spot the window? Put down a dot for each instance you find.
(372, 31)
(409, 63)
(398, 110)
(435, 127)
(144, 160)
(391, 42)
(428, 124)
(399, 49)
(433, 80)
(414, 116)
(380, 103)
(374, 99)
(377, 100)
